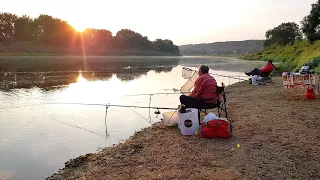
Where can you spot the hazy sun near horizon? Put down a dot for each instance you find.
(78, 26)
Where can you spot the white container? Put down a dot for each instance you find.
(170, 118)
(189, 122)
(256, 80)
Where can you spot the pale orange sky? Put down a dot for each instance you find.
(183, 21)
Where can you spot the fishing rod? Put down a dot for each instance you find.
(114, 105)
(233, 77)
(176, 92)
(118, 105)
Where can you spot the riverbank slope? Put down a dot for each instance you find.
(291, 57)
(276, 136)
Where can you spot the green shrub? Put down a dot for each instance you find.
(317, 69)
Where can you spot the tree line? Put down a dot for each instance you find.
(50, 31)
(288, 33)
(222, 48)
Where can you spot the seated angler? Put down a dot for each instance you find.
(205, 90)
(263, 72)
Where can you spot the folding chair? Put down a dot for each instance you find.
(221, 104)
(264, 79)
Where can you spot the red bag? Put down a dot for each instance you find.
(216, 129)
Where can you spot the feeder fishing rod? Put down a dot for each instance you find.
(232, 77)
(114, 105)
(151, 94)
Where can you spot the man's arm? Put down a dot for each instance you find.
(197, 88)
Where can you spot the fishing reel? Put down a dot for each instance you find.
(157, 112)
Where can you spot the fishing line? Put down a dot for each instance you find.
(140, 115)
(113, 105)
(17, 107)
(31, 105)
(87, 130)
(78, 127)
(70, 125)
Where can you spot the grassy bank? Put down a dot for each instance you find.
(291, 57)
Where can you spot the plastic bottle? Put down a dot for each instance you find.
(256, 80)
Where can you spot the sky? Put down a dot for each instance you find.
(182, 21)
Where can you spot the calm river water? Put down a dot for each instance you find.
(39, 131)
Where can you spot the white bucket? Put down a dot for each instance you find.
(255, 80)
(189, 122)
(170, 118)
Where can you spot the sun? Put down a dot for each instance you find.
(79, 27)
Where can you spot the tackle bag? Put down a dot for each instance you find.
(216, 129)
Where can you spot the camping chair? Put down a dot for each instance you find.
(264, 79)
(220, 105)
(267, 78)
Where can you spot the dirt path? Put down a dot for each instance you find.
(278, 133)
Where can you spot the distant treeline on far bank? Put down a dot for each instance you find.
(49, 35)
(222, 48)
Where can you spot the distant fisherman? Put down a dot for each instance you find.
(263, 72)
(205, 90)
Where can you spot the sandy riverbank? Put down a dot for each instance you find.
(278, 133)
